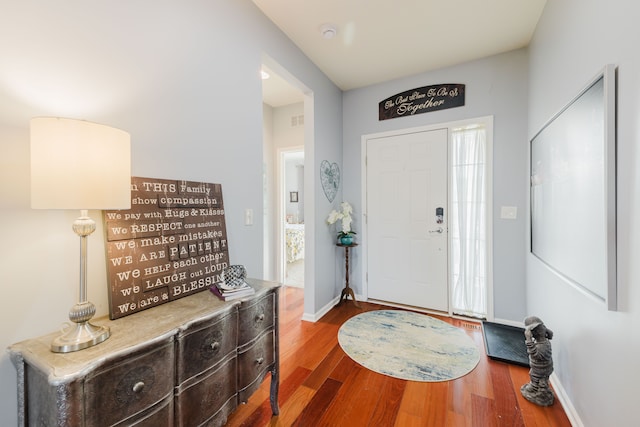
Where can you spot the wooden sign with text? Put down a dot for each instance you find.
(422, 100)
(170, 244)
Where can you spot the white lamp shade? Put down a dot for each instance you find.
(77, 164)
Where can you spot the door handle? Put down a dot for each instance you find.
(439, 230)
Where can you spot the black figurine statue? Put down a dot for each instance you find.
(537, 337)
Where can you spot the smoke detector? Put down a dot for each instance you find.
(328, 31)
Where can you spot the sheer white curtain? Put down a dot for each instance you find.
(468, 222)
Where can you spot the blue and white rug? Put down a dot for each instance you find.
(408, 345)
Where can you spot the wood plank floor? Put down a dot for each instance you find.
(321, 386)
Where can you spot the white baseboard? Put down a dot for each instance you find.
(568, 407)
(324, 310)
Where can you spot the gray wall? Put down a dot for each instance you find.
(595, 351)
(495, 86)
(184, 79)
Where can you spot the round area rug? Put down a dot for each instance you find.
(409, 346)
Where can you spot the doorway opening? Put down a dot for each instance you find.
(292, 171)
(288, 183)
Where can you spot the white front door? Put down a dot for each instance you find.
(407, 223)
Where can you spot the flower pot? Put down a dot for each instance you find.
(346, 240)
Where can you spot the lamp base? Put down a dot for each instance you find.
(78, 336)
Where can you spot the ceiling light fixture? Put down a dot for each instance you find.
(328, 31)
(264, 75)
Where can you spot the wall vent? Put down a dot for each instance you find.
(297, 121)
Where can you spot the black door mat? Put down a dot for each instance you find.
(505, 343)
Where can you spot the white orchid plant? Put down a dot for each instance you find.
(343, 214)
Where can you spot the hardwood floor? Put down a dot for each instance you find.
(321, 386)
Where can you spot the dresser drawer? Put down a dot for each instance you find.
(211, 399)
(160, 415)
(253, 363)
(129, 385)
(203, 345)
(255, 317)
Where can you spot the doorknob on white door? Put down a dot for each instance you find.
(437, 230)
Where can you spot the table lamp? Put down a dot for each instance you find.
(77, 164)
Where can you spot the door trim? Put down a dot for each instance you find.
(488, 122)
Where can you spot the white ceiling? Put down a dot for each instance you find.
(382, 40)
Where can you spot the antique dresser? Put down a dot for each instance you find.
(186, 363)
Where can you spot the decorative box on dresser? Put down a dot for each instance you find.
(186, 363)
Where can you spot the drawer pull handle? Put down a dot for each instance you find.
(215, 345)
(260, 317)
(260, 360)
(138, 387)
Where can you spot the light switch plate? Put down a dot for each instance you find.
(509, 212)
(248, 216)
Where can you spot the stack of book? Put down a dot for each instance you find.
(228, 293)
